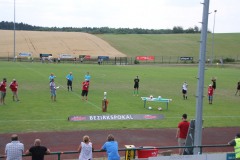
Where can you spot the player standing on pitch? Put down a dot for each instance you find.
(69, 81)
(136, 86)
(85, 86)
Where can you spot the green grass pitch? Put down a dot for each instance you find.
(36, 112)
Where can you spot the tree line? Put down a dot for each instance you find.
(4, 25)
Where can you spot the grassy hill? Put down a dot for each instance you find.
(225, 45)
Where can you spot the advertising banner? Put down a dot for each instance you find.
(145, 58)
(116, 117)
(25, 54)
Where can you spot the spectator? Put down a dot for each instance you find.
(184, 90)
(3, 90)
(37, 151)
(14, 150)
(59, 59)
(53, 90)
(238, 88)
(87, 77)
(136, 86)
(52, 76)
(210, 93)
(236, 143)
(111, 147)
(85, 86)
(69, 81)
(182, 131)
(85, 148)
(14, 87)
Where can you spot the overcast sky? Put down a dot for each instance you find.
(147, 14)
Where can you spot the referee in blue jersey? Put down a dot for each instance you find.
(69, 81)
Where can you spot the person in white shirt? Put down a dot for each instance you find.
(14, 150)
(85, 148)
(184, 90)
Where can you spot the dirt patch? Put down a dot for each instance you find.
(55, 43)
(69, 141)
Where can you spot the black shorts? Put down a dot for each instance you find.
(136, 86)
(69, 83)
(84, 93)
(184, 91)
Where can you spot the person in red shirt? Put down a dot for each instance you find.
(14, 87)
(182, 132)
(3, 90)
(85, 86)
(210, 93)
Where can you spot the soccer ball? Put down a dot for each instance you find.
(149, 108)
(160, 108)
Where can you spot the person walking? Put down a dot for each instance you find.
(14, 87)
(136, 86)
(53, 90)
(210, 93)
(69, 81)
(14, 150)
(182, 131)
(111, 147)
(236, 143)
(37, 151)
(85, 148)
(3, 91)
(238, 88)
(85, 86)
(184, 90)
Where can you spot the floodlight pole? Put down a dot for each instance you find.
(213, 36)
(201, 70)
(14, 41)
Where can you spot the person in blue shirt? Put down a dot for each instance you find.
(69, 81)
(87, 77)
(111, 147)
(51, 77)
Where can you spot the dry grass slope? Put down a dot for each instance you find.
(74, 43)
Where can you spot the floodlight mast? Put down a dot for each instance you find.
(201, 70)
(212, 57)
(14, 38)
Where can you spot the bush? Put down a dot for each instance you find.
(136, 61)
(228, 60)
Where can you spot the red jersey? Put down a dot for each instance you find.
(210, 90)
(183, 127)
(14, 86)
(3, 86)
(85, 86)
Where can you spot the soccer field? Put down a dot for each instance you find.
(36, 112)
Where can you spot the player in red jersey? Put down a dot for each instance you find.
(85, 86)
(14, 87)
(3, 90)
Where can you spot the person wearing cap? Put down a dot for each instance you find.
(37, 151)
(236, 143)
(14, 87)
(69, 81)
(3, 90)
(85, 86)
(238, 88)
(210, 93)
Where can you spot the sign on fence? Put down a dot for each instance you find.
(186, 58)
(145, 58)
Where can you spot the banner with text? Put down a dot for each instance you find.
(116, 117)
(145, 58)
